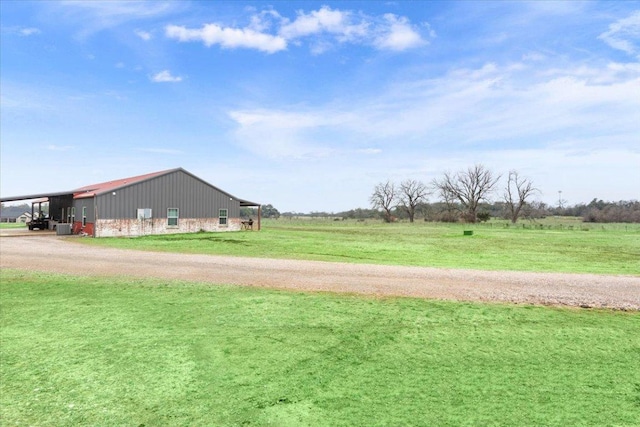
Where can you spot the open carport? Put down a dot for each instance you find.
(57, 204)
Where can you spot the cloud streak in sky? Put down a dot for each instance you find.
(96, 16)
(624, 34)
(466, 108)
(29, 31)
(22, 31)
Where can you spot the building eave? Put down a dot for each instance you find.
(36, 196)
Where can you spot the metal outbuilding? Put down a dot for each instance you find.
(170, 201)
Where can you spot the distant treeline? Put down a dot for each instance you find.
(601, 211)
(595, 211)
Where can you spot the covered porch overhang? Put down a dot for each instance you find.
(248, 204)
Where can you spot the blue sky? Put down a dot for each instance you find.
(308, 105)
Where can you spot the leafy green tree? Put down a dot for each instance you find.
(268, 211)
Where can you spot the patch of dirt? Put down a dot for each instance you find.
(63, 255)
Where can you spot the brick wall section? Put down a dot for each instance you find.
(78, 228)
(135, 227)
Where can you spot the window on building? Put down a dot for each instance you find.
(144, 214)
(84, 216)
(72, 216)
(172, 217)
(223, 215)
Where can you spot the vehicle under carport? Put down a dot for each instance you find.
(46, 219)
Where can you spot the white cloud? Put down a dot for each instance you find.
(397, 34)
(324, 20)
(229, 38)
(144, 35)
(391, 32)
(624, 34)
(29, 31)
(264, 20)
(322, 28)
(165, 76)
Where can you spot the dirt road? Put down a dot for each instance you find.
(64, 255)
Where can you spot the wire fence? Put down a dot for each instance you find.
(588, 226)
(554, 223)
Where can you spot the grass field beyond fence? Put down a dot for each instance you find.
(87, 351)
(550, 246)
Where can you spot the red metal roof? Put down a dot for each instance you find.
(103, 187)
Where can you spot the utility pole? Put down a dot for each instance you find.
(560, 199)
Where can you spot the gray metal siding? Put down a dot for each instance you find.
(88, 203)
(193, 198)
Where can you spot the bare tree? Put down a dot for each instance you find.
(516, 193)
(383, 197)
(468, 187)
(411, 194)
(450, 211)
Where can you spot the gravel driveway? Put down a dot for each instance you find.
(64, 255)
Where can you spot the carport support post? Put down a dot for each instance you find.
(33, 206)
(259, 215)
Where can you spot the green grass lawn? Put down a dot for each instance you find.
(13, 225)
(556, 247)
(87, 351)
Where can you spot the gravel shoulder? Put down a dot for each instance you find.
(55, 254)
